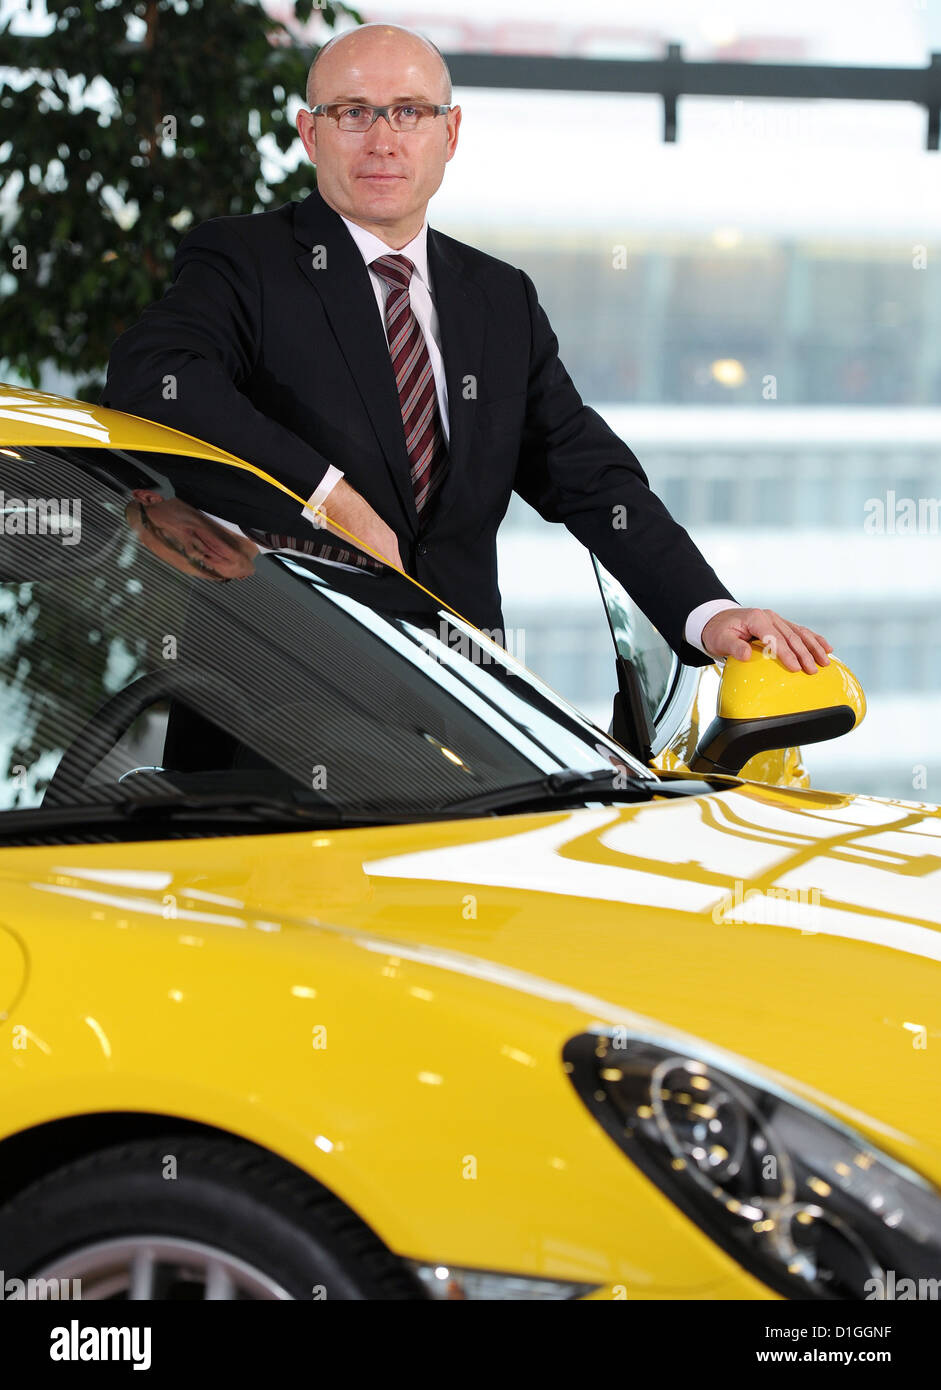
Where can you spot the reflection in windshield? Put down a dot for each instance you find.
(189, 540)
(208, 547)
(133, 650)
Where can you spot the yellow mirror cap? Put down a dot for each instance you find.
(764, 689)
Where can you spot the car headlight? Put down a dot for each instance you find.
(802, 1202)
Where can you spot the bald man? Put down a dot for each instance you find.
(402, 384)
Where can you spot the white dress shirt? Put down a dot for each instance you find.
(371, 248)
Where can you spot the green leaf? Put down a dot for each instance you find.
(195, 72)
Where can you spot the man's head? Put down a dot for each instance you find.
(379, 178)
(188, 540)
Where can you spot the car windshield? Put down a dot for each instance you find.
(164, 627)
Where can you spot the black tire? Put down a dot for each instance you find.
(227, 1195)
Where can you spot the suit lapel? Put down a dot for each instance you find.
(332, 263)
(461, 319)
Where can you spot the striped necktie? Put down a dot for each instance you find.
(414, 378)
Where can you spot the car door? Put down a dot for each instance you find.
(661, 705)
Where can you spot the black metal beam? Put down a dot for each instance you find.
(672, 77)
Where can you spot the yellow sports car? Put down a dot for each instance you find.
(341, 958)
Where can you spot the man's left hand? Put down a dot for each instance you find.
(797, 648)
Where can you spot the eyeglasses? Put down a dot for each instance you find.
(405, 116)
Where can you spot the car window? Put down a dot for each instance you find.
(638, 641)
(142, 630)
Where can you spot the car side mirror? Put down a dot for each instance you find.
(763, 706)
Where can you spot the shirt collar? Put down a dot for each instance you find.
(371, 247)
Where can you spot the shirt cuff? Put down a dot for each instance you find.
(700, 616)
(316, 499)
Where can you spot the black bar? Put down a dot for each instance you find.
(671, 77)
(219, 1341)
(934, 109)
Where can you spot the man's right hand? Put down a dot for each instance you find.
(345, 506)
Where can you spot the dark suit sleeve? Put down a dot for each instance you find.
(184, 361)
(573, 468)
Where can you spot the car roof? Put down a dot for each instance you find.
(36, 417)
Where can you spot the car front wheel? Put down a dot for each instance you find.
(191, 1219)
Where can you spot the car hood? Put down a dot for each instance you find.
(798, 929)
(671, 913)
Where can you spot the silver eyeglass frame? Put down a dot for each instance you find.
(323, 109)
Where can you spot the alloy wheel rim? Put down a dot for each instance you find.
(152, 1267)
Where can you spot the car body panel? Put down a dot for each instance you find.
(447, 965)
(436, 1106)
(13, 970)
(38, 417)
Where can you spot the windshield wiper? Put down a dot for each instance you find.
(297, 809)
(559, 788)
(245, 808)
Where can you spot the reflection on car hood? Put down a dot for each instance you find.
(665, 910)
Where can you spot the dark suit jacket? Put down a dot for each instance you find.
(271, 333)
